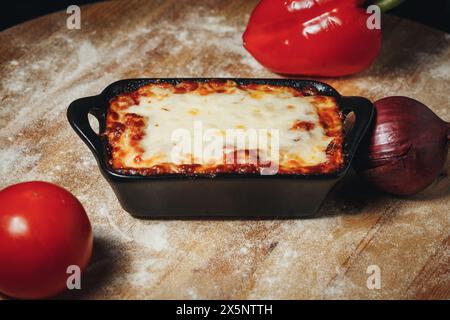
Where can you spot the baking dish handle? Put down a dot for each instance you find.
(364, 112)
(77, 114)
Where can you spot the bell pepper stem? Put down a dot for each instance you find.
(386, 5)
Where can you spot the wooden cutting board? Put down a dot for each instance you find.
(44, 66)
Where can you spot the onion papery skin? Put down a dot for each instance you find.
(406, 147)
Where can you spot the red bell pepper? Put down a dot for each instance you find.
(312, 37)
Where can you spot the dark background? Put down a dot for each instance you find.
(435, 13)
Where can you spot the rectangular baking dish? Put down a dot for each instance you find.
(223, 195)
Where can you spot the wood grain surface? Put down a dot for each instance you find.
(44, 66)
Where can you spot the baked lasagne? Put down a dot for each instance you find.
(297, 131)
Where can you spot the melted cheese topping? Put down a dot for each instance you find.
(305, 131)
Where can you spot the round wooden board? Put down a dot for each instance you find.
(44, 66)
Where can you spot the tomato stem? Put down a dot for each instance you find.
(386, 5)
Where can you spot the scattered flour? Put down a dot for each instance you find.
(192, 293)
(16, 159)
(266, 258)
(151, 235)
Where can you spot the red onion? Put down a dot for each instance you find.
(405, 149)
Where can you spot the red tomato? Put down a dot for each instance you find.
(43, 230)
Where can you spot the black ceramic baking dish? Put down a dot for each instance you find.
(224, 195)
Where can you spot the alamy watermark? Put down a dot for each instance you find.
(374, 20)
(217, 146)
(73, 281)
(73, 21)
(374, 278)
